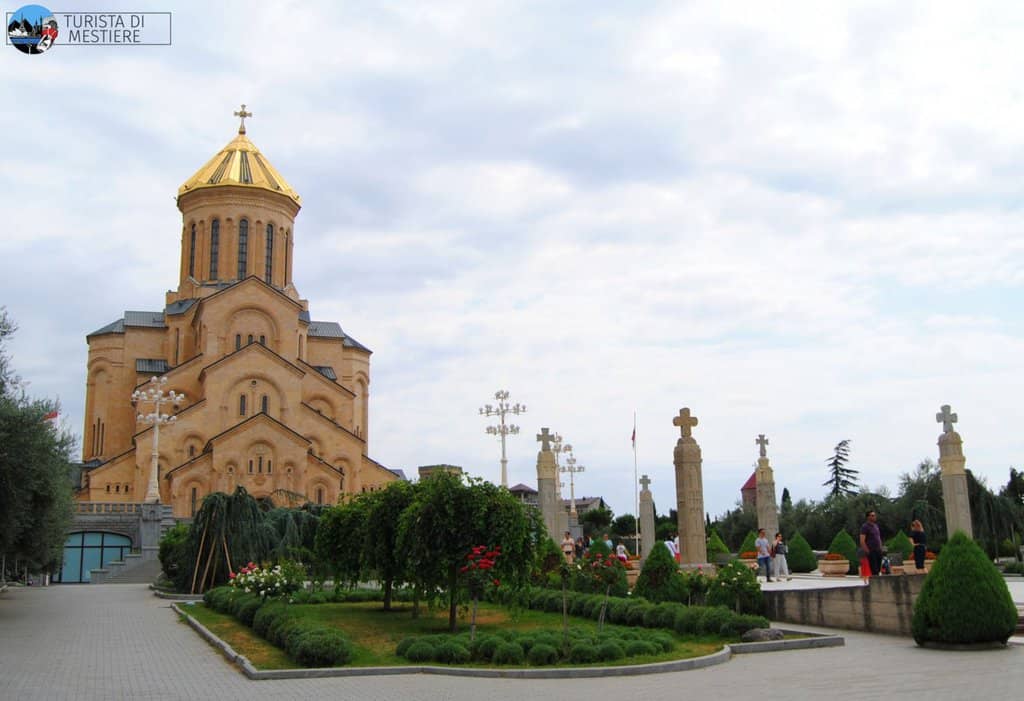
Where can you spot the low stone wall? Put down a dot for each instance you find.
(886, 605)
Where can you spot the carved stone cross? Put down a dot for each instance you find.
(762, 442)
(243, 114)
(645, 482)
(685, 422)
(946, 418)
(546, 438)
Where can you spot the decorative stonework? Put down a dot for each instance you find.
(646, 517)
(689, 492)
(547, 485)
(767, 506)
(953, 475)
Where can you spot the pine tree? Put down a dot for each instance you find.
(842, 479)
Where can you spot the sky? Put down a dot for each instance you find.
(796, 219)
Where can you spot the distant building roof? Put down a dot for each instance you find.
(153, 320)
(332, 329)
(525, 488)
(400, 473)
(750, 483)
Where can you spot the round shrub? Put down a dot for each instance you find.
(714, 618)
(508, 653)
(282, 629)
(635, 614)
(583, 653)
(542, 654)
(659, 579)
(688, 620)
(526, 641)
(663, 640)
(800, 557)
(740, 624)
(420, 651)
(320, 647)
(610, 650)
(451, 653)
(404, 645)
(964, 598)
(300, 597)
(592, 605)
(266, 616)
(661, 616)
(617, 610)
(546, 638)
(901, 544)
(246, 610)
(484, 647)
(635, 648)
(844, 544)
(736, 587)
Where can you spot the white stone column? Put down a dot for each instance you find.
(646, 518)
(547, 486)
(767, 506)
(953, 475)
(688, 462)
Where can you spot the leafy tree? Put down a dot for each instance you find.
(380, 541)
(596, 521)
(227, 532)
(964, 599)
(842, 479)
(449, 517)
(1014, 489)
(787, 500)
(660, 579)
(735, 525)
(800, 557)
(624, 526)
(339, 536)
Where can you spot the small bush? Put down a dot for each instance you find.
(583, 653)
(688, 620)
(404, 645)
(526, 641)
(542, 654)
(741, 623)
(508, 653)
(716, 546)
(246, 609)
(661, 616)
(663, 640)
(714, 618)
(451, 653)
(901, 544)
(281, 630)
(635, 613)
(844, 544)
(748, 543)
(610, 650)
(736, 587)
(266, 616)
(659, 579)
(420, 651)
(484, 647)
(964, 599)
(320, 647)
(617, 609)
(800, 557)
(635, 648)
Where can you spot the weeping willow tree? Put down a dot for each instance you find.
(228, 531)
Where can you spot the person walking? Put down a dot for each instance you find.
(917, 535)
(871, 542)
(780, 566)
(764, 554)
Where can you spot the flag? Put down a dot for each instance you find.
(52, 416)
(634, 437)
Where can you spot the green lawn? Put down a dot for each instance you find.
(376, 632)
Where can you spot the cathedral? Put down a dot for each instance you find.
(274, 401)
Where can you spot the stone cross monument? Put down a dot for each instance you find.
(547, 486)
(646, 518)
(953, 475)
(693, 548)
(767, 507)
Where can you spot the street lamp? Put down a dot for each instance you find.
(572, 468)
(502, 429)
(155, 394)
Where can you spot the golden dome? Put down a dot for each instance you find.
(241, 164)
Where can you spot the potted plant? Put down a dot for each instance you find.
(834, 565)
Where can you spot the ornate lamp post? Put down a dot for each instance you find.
(155, 394)
(572, 468)
(502, 429)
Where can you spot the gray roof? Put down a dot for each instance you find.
(326, 329)
(152, 366)
(180, 307)
(522, 488)
(304, 316)
(327, 371)
(154, 320)
(112, 327)
(400, 473)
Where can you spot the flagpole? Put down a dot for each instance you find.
(636, 492)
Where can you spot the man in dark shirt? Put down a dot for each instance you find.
(871, 542)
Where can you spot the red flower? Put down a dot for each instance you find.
(231, 575)
(463, 569)
(497, 582)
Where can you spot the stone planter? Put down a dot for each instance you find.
(833, 568)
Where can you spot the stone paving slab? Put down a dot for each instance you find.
(90, 642)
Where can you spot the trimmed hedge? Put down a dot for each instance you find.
(660, 579)
(964, 598)
(800, 557)
(901, 543)
(844, 544)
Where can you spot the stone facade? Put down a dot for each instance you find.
(275, 402)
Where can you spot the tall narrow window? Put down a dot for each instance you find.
(263, 340)
(250, 467)
(264, 403)
(193, 500)
(191, 451)
(250, 338)
(269, 270)
(259, 461)
(287, 255)
(319, 495)
(192, 253)
(214, 247)
(238, 341)
(243, 247)
(241, 405)
(270, 466)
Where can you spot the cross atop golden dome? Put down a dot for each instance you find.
(239, 164)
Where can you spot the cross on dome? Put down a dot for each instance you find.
(242, 114)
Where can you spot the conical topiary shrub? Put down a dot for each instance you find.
(748, 544)
(660, 579)
(900, 543)
(844, 544)
(800, 556)
(964, 599)
(716, 546)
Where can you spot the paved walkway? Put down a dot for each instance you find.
(120, 642)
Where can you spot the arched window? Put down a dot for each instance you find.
(319, 495)
(194, 498)
(263, 340)
(250, 338)
(269, 270)
(264, 403)
(270, 466)
(192, 253)
(243, 247)
(191, 451)
(117, 489)
(214, 247)
(259, 463)
(238, 341)
(241, 406)
(250, 467)
(108, 489)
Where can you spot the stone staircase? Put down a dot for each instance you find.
(137, 568)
